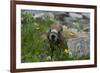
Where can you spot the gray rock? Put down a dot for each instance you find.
(72, 30)
(86, 15)
(68, 20)
(75, 15)
(79, 46)
(84, 21)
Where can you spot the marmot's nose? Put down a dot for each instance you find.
(53, 36)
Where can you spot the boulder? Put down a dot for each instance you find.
(79, 46)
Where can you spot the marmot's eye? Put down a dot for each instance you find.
(59, 32)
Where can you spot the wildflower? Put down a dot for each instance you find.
(70, 54)
(65, 28)
(66, 50)
(48, 58)
(37, 28)
(36, 24)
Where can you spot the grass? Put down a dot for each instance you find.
(34, 44)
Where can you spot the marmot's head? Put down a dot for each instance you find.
(55, 33)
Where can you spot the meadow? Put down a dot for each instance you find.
(34, 43)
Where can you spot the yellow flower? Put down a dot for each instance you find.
(66, 50)
(71, 33)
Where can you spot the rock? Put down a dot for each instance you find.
(75, 15)
(84, 21)
(72, 30)
(79, 46)
(39, 16)
(86, 15)
(68, 21)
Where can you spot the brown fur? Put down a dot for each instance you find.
(59, 29)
